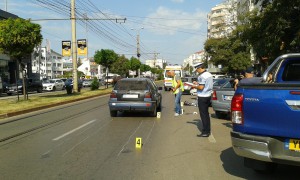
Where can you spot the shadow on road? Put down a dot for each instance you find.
(196, 122)
(234, 165)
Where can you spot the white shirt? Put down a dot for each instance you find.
(205, 79)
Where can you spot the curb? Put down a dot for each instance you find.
(8, 115)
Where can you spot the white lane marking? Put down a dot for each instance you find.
(149, 133)
(130, 138)
(70, 132)
(211, 138)
(75, 146)
(70, 150)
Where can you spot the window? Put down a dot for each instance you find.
(291, 72)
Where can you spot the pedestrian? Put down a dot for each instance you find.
(177, 88)
(249, 78)
(204, 87)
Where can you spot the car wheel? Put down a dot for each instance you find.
(9, 94)
(54, 88)
(39, 90)
(113, 113)
(220, 115)
(154, 112)
(159, 106)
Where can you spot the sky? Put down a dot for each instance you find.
(170, 29)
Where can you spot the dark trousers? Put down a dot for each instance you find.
(203, 105)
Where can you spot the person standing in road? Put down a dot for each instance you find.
(204, 88)
(249, 78)
(177, 88)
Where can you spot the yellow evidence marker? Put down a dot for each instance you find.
(158, 115)
(138, 143)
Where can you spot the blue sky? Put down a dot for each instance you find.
(174, 29)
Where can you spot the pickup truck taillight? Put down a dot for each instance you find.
(214, 95)
(236, 109)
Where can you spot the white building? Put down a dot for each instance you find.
(221, 20)
(90, 68)
(156, 63)
(48, 64)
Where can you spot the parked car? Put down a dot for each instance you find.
(217, 83)
(69, 85)
(221, 98)
(53, 85)
(64, 80)
(135, 95)
(30, 84)
(186, 87)
(87, 82)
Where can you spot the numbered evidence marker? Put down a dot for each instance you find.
(158, 115)
(138, 143)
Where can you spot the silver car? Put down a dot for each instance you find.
(221, 99)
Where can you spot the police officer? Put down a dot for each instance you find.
(204, 87)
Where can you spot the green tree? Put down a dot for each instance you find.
(106, 58)
(18, 37)
(145, 68)
(121, 66)
(134, 64)
(274, 29)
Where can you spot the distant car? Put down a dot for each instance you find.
(135, 95)
(186, 87)
(69, 85)
(30, 84)
(53, 85)
(221, 98)
(87, 83)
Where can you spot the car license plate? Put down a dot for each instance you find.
(130, 96)
(294, 144)
(227, 98)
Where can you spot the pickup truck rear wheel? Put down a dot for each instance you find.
(113, 113)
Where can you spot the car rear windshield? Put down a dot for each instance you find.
(131, 85)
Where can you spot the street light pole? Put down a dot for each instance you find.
(138, 53)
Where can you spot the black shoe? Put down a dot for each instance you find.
(203, 135)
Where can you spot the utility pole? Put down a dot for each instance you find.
(74, 47)
(86, 34)
(138, 52)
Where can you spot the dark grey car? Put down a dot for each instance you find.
(135, 95)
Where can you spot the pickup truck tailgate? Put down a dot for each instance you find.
(271, 111)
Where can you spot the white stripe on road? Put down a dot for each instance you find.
(70, 132)
(211, 138)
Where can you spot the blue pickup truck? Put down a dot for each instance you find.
(266, 117)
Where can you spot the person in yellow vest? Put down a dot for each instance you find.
(177, 88)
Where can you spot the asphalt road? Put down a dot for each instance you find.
(82, 141)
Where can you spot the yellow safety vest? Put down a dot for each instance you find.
(174, 84)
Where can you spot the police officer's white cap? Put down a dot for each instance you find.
(196, 66)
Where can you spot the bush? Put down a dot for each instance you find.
(95, 84)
